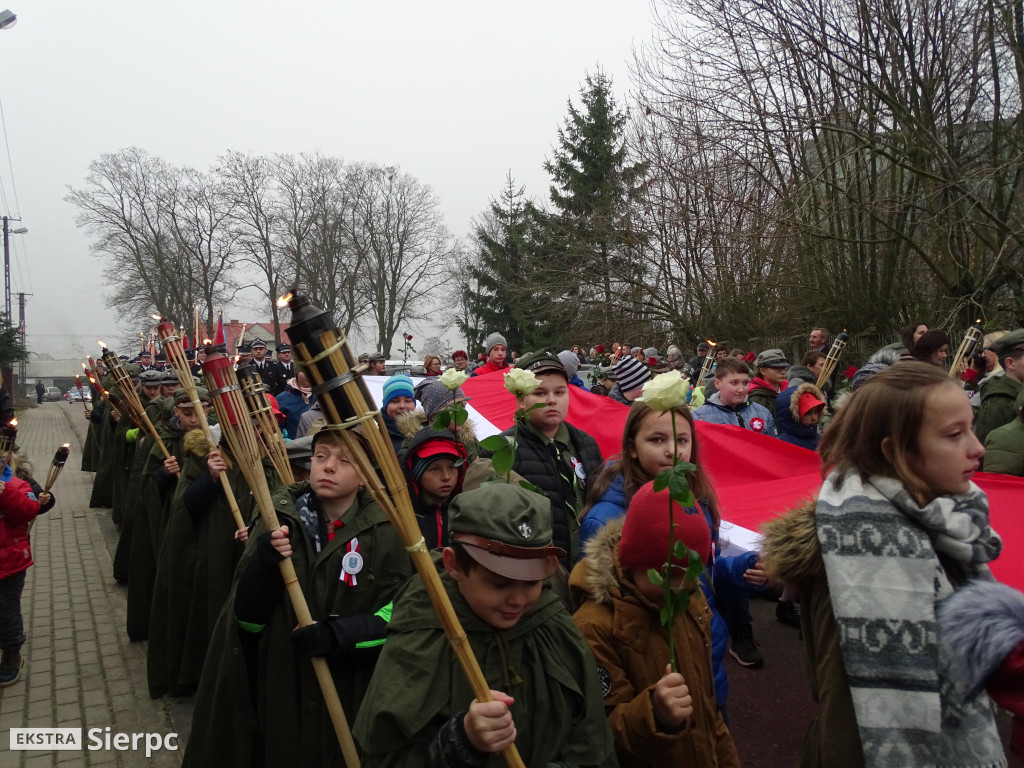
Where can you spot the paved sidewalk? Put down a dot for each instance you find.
(80, 670)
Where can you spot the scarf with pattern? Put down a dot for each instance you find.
(881, 551)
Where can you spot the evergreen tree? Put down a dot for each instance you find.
(505, 291)
(595, 193)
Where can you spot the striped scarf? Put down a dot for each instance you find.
(881, 553)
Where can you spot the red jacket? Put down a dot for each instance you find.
(18, 508)
(490, 367)
(1006, 688)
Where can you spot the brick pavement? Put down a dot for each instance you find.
(81, 669)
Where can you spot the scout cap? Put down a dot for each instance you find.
(300, 451)
(771, 358)
(168, 376)
(151, 377)
(181, 397)
(507, 530)
(1004, 345)
(541, 363)
(376, 358)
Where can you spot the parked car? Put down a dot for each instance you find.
(53, 394)
(74, 396)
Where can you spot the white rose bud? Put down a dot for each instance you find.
(665, 392)
(521, 383)
(453, 379)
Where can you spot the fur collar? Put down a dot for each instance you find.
(602, 573)
(791, 550)
(794, 400)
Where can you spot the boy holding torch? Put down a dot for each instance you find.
(258, 700)
(420, 709)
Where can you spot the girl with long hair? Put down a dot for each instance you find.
(897, 528)
(647, 448)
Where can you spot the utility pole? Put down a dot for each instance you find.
(23, 363)
(7, 373)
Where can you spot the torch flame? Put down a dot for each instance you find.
(84, 368)
(712, 343)
(14, 422)
(102, 344)
(207, 341)
(67, 445)
(158, 318)
(283, 301)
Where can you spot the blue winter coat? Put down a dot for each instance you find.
(726, 574)
(749, 415)
(787, 419)
(292, 406)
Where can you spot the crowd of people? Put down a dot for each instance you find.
(552, 562)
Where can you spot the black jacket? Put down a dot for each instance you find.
(280, 375)
(536, 461)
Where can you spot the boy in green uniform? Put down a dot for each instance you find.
(999, 393)
(547, 700)
(258, 701)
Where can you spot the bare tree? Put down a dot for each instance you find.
(128, 204)
(394, 225)
(884, 137)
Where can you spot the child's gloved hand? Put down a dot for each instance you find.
(317, 639)
(273, 547)
(673, 704)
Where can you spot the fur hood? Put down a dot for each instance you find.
(794, 398)
(791, 551)
(979, 625)
(598, 574)
(411, 422)
(196, 442)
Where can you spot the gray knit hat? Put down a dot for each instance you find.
(570, 361)
(433, 396)
(492, 340)
(631, 373)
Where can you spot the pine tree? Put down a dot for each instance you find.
(595, 193)
(504, 292)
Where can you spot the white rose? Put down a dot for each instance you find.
(666, 391)
(521, 383)
(453, 379)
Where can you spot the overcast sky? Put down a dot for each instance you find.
(455, 92)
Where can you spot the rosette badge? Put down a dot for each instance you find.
(453, 379)
(665, 392)
(521, 382)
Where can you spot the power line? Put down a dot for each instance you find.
(7, 144)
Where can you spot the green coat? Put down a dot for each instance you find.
(103, 482)
(284, 717)
(1004, 449)
(149, 519)
(542, 662)
(195, 569)
(997, 405)
(126, 497)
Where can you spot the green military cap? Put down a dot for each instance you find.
(151, 377)
(167, 407)
(507, 529)
(1008, 343)
(168, 376)
(541, 363)
(181, 396)
(132, 370)
(300, 451)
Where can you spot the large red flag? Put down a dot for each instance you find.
(756, 477)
